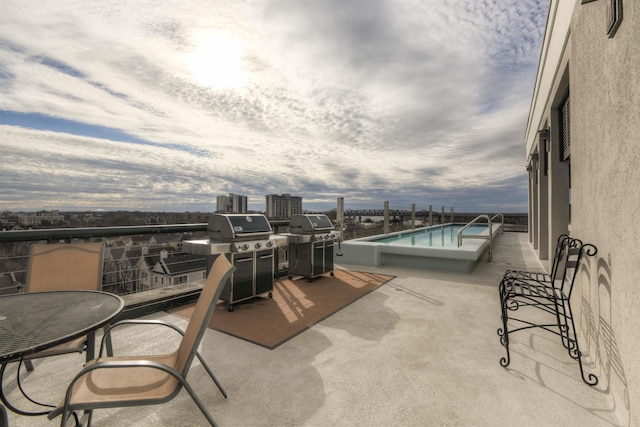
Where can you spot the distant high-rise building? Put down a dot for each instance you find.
(283, 205)
(233, 203)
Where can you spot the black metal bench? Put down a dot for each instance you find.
(549, 293)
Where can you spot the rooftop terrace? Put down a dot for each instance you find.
(420, 350)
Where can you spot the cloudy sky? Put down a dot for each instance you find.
(165, 104)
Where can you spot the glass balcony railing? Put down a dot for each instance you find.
(144, 264)
(131, 256)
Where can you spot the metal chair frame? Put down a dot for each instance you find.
(550, 294)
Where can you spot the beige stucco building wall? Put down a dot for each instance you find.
(595, 193)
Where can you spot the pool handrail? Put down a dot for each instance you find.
(478, 236)
(501, 216)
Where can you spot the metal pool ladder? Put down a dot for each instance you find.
(479, 236)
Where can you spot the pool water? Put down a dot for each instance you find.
(445, 236)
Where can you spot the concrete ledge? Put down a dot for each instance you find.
(160, 299)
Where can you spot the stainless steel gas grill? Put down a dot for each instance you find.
(247, 240)
(311, 240)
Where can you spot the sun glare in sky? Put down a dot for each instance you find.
(216, 60)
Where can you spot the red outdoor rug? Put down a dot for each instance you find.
(297, 304)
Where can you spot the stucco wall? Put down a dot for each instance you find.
(605, 174)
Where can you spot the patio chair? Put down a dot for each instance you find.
(148, 379)
(551, 295)
(62, 266)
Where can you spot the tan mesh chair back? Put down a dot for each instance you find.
(202, 313)
(65, 266)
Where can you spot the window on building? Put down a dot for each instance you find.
(180, 279)
(570, 196)
(565, 128)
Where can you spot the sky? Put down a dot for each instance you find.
(162, 105)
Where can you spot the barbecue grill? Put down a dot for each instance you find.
(311, 240)
(247, 240)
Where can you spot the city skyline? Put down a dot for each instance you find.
(111, 107)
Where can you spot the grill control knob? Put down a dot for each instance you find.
(269, 243)
(258, 245)
(244, 247)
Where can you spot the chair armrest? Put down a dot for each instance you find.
(106, 364)
(108, 330)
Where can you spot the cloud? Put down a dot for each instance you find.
(408, 101)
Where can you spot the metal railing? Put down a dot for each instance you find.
(478, 236)
(67, 234)
(501, 216)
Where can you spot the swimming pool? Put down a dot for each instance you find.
(430, 247)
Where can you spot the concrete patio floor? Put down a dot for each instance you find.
(421, 350)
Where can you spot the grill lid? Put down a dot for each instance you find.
(310, 224)
(234, 227)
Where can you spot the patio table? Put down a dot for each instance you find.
(32, 322)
